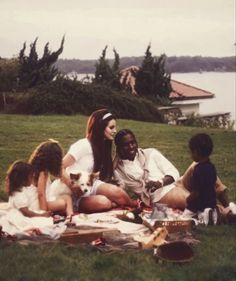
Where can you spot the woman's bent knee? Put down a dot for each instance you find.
(93, 204)
(103, 201)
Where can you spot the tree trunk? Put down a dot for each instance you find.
(4, 100)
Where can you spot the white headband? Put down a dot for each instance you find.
(106, 116)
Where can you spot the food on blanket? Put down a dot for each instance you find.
(159, 211)
(155, 239)
(170, 225)
(58, 218)
(176, 251)
(126, 216)
(130, 216)
(173, 222)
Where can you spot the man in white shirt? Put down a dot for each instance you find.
(147, 173)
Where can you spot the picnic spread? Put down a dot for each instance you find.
(115, 230)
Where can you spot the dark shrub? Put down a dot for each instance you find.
(71, 97)
(17, 103)
(65, 96)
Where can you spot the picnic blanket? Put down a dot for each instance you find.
(109, 220)
(105, 231)
(14, 223)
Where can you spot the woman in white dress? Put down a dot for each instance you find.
(94, 154)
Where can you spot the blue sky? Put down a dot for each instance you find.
(179, 27)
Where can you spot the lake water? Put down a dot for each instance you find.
(222, 84)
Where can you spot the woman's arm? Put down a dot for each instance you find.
(28, 213)
(42, 183)
(68, 161)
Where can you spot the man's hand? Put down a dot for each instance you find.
(152, 186)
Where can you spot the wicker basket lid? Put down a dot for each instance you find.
(176, 251)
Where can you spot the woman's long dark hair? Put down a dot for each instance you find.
(102, 148)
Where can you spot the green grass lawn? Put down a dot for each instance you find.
(215, 255)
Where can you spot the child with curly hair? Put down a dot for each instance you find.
(203, 182)
(46, 160)
(22, 194)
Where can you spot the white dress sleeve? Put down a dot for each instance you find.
(19, 200)
(82, 152)
(80, 148)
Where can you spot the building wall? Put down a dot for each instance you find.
(188, 109)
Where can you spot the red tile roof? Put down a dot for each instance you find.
(184, 91)
(181, 91)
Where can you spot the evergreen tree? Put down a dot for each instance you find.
(103, 73)
(34, 71)
(148, 61)
(162, 79)
(106, 74)
(152, 80)
(8, 78)
(116, 64)
(8, 74)
(116, 71)
(144, 78)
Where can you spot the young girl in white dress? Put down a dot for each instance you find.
(46, 161)
(22, 194)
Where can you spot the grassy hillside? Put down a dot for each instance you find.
(215, 256)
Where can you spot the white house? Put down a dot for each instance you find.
(188, 98)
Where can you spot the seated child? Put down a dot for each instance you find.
(202, 198)
(22, 194)
(46, 161)
(203, 186)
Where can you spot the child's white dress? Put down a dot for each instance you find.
(27, 197)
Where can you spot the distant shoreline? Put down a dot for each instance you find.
(183, 64)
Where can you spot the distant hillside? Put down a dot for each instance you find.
(174, 64)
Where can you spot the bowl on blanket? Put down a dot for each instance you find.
(130, 217)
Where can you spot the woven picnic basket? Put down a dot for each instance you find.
(176, 225)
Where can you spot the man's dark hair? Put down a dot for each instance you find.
(119, 136)
(202, 144)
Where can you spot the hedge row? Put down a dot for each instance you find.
(64, 96)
